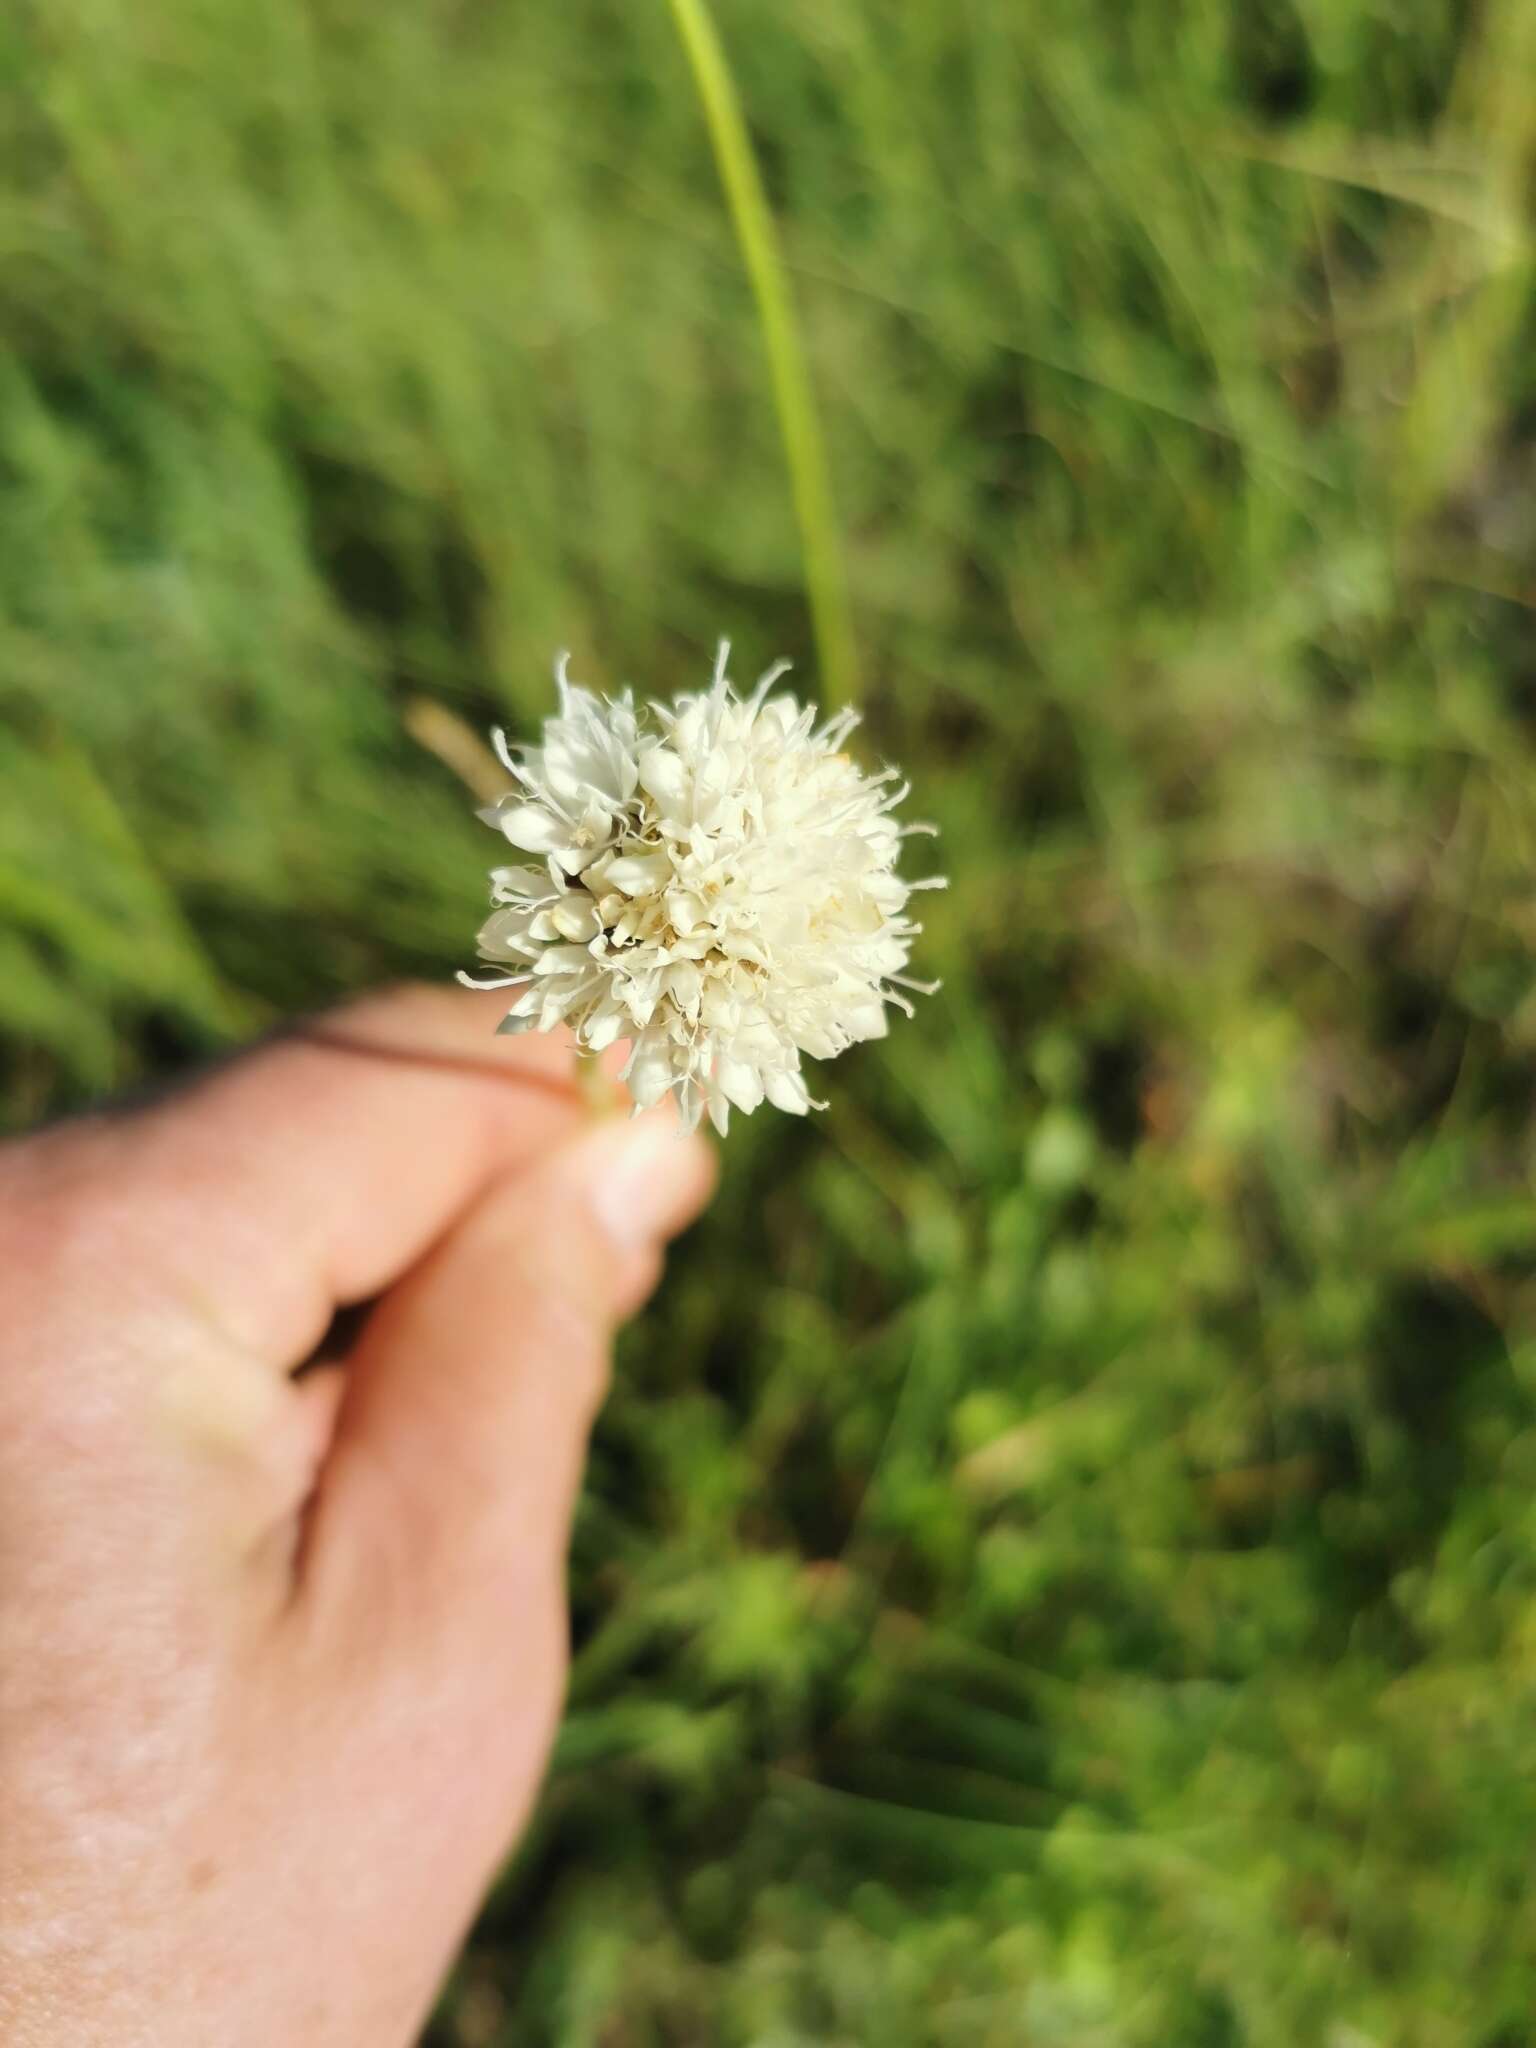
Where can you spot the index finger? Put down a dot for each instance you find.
(309, 1173)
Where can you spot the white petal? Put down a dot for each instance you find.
(574, 858)
(534, 829)
(689, 729)
(788, 1092)
(663, 776)
(639, 873)
(513, 882)
(650, 1073)
(684, 985)
(741, 1083)
(504, 930)
(604, 1028)
(576, 918)
(820, 1042)
(689, 1107)
(685, 910)
(866, 1020)
(562, 960)
(557, 1001)
(721, 1009)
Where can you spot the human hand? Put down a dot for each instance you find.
(281, 1657)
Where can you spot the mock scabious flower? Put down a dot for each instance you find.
(715, 882)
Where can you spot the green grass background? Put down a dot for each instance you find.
(1060, 1563)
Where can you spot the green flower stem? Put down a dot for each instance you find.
(794, 401)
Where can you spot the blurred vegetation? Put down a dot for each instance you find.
(1060, 1564)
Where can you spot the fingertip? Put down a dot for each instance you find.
(641, 1179)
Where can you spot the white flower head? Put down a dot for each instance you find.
(717, 885)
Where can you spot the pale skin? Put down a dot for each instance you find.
(282, 1652)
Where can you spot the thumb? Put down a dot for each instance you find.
(459, 1450)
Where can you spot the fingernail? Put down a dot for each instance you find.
(641, 1179)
